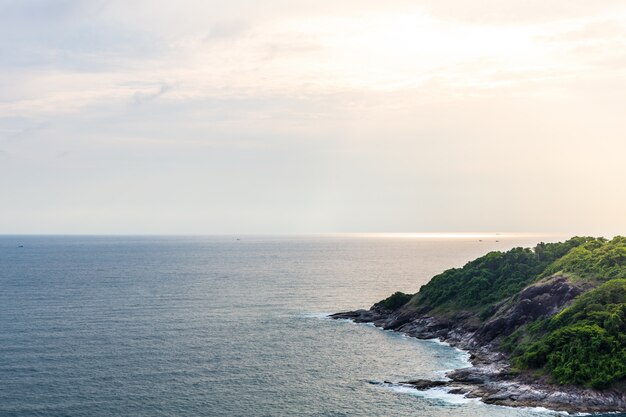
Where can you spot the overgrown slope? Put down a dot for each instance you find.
(492, 278)
(584, 344)
(517, 295)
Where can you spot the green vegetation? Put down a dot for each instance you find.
(395, 301)
(491, 278)
(597, 258)
(584, 344)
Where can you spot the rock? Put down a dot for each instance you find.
(458, 391)
(424, 384)
(473, 375)
(358, 316)
(542, 299)
(490, 378)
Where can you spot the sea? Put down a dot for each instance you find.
(223, 326)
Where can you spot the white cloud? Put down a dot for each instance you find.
(222, 108)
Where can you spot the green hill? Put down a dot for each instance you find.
(558, 309)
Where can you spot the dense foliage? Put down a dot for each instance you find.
(584, 344)
(597, 258)
(395, 301)
(493, 277)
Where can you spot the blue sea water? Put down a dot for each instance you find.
(215, 326)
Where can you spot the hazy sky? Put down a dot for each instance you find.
(295, 116)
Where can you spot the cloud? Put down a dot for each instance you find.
(593, 31)
(141, 97)
(69, 34)
(226, 30)
(245, 113)
(596, 44)
(42, 10)
(499, 12)
(17, 129)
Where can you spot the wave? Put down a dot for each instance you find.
(438, 394)
(314, 315)
(442, 394)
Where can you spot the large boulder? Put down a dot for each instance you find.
(542, 299)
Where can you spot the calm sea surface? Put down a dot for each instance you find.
(149, 326)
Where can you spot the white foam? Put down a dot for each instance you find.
(544, 410)
(465, 356)
(342, 320)
(313, 315)
(437, 341)
(443, 394)
(439, 394)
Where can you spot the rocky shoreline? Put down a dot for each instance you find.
(490, 379)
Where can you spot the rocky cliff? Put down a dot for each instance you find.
(502, 334)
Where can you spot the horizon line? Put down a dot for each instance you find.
(407, 235)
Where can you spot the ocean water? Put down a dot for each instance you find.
(215, 326)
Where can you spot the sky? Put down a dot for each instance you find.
(298, 116)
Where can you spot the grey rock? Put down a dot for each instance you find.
(490, 378)
(424, 384)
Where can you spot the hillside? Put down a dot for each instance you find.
(553, 315)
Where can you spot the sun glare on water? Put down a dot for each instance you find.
(445, 235)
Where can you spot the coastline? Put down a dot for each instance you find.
(489, 377)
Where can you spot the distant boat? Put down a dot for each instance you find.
(20, 246)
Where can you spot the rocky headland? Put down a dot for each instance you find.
(503, 336)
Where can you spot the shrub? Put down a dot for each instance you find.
(395, 301)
